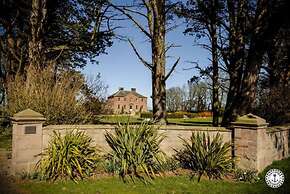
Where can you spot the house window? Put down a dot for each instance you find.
(124, 99)
(136, 99)
(118, 99)
(118, 106)
(136, 106)
(141, 99)
(141, 108)
(124, 106)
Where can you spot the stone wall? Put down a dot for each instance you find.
(171, 132)
(255, 144)
(274, 145)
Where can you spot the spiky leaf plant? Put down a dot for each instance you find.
(205, 155)
(69, 156)
(135, 150)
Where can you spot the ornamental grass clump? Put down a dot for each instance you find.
(204, 155)
(135, 150)
(70, 156)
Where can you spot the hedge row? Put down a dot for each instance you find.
(177, 115)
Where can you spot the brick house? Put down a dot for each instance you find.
(127, 102)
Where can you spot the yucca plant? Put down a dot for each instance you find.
(135, 150)
(205, 155)
(69, 156)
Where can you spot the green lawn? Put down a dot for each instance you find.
(162, 185)
(198, 121)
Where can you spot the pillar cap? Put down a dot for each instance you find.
(250, 120)
(28, 115)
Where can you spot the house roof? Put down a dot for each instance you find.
(123, 93)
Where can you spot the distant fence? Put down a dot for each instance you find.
(255, 145)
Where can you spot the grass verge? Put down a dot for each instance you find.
(161, 185)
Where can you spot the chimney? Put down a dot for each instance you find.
(133, 89)
(121, 89)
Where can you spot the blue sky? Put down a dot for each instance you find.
(121, 67)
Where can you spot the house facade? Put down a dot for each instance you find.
(127, 102)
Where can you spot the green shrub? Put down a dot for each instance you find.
(205, 156)
(6, 131)
(191, 115)
(135, 150)
(175, 115)
(69, 156)
(146, 115)
(179, 115)
(246, 175)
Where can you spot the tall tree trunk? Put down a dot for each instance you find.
(159, 97)
(215, 74)
(155, 32)
(158, 62)
(37, 20)
(269, 19)
(215, 85)
(236, 57)
(231, 110)
(250, 79)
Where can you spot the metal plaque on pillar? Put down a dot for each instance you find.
(30, 130)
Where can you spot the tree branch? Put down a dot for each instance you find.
(150, 66)
(133, 20)
(171, 7)
(135, 12)
(172, 69)
(171, 46)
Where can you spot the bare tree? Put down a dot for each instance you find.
(155, 14)
(174, 99)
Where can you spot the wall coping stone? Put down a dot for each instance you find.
(27, 115)
(163, 127)
(275, 129)
(250, 121)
